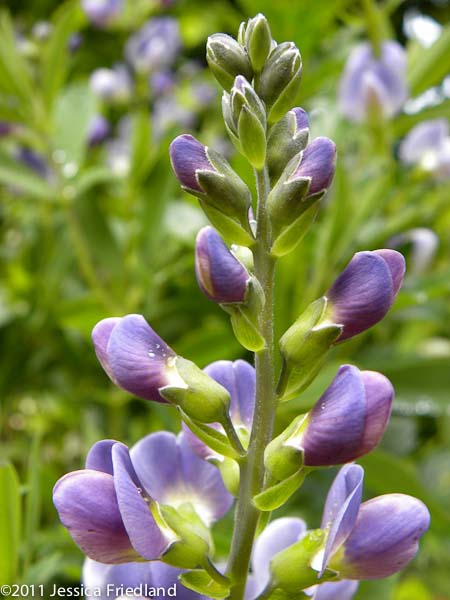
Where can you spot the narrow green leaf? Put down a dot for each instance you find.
(428, 67)
(276, 495)
(10, 519)
(214, 439)
(199, 581)
(15, 76)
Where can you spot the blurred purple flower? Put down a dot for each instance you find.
(111, 85)
(98, 130)
(428, 146)
(75, 42)
(101, 12)
(162, 82)
(33, 161)
(238, 378)
(169, 113)
(374, 539)
(365, 290)
(155, 46)
(220, 276)
(424, 244)
(134, 356)
(348, 420)
(318, 162)
(7, 128)
(106, 506)
(371, 82)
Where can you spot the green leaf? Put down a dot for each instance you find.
(10, 519)
(276, 495)
(15, 77)
(428, 67)
(200, 581)
(55, 59)
(142, 154)
(15, 174)
(211, 437)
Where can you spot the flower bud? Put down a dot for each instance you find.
(258, 41)
(101, 12)
(287, 138)
(221, 277)
(111, 85)
(224, 197)
(245, 119)
(280, 80)
(303, 183)
(365, 291)
(227, 59)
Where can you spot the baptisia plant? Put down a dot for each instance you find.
(144, 515)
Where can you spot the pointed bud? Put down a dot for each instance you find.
(227, 59)
(258, 41)
(303, 183)
(365, 291)
(223, 195)
(221, 277)
(280, 80)
(287, 138)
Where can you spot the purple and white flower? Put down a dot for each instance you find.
(427, 145)
(155, 46)
(111, 85)
(101, 12)
(374, 82)
(106, 506)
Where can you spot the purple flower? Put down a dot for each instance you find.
(33, 161)
(98, 130)
(7, 128)
(348, 420)
(370, 82)
(424, 244)
(365, 291)
(101, 12)
(301, 118)
(188, 156)
(111, 85)
(134, 356)
(428, 146)
(221, 277)
(318, 162)
(162, 82)
(106, 506)
(110, 580)
(169, 113)
(374, 539)
(154, 46)
(336, 590)
(238, 378)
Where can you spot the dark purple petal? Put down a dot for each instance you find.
(187, 156)
(341, 508)
(366, 289)
(318, 162)
(301, 118)
(385, 537)
(138, 358)
(277, 536)
(220, 276)
(134, 504)
(87, 505)
(335, 430)
(379, 397)
(336, 590)
(100, 337)
(173, 474)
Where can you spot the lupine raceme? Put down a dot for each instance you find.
(144, 515)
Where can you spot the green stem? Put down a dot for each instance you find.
(232, 436)
(252, 467)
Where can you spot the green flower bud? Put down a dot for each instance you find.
(287, 138)
(244, 317)
(282, 459)
(227, 59)
(258, 41)
(304, 347)
(197, 394)
(280, 80)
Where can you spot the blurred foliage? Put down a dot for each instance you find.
(80, 240)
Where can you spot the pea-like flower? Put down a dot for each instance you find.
(154, 46)
(365, 290)
(239, 379)
(427, 145)
(220, 275)
(374, 539)
(107, 507)
(374, 83)
(318, 164)
(101, 12)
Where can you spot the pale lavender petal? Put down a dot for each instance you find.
(319, 163)
(341, 508)
(424, 137)
(277, 536)
(335, 430)
(100, 337)
(385, 536)
(146, 537)
(301, 118)
(99, 457)
(155, 45)
(187, 156)
(166, 577)
(138, 357)
(100, 12)
(220, 276)
(339, 590)
(87, 505)
(98, 576)
(350, 87)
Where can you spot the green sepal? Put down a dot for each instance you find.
(281, 458)
(214, 439)
(230, 228)
(258, 41)
(201, 582)
(283, 143)
(229, 470)
(244, 329)
(194, 539)
(286, 99)
(197, 394)
(293, 234)
(281, 73)
(252, 137)
(276, 495)
(227, 59)
(220, 193)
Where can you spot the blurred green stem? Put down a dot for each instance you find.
(252, 466)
